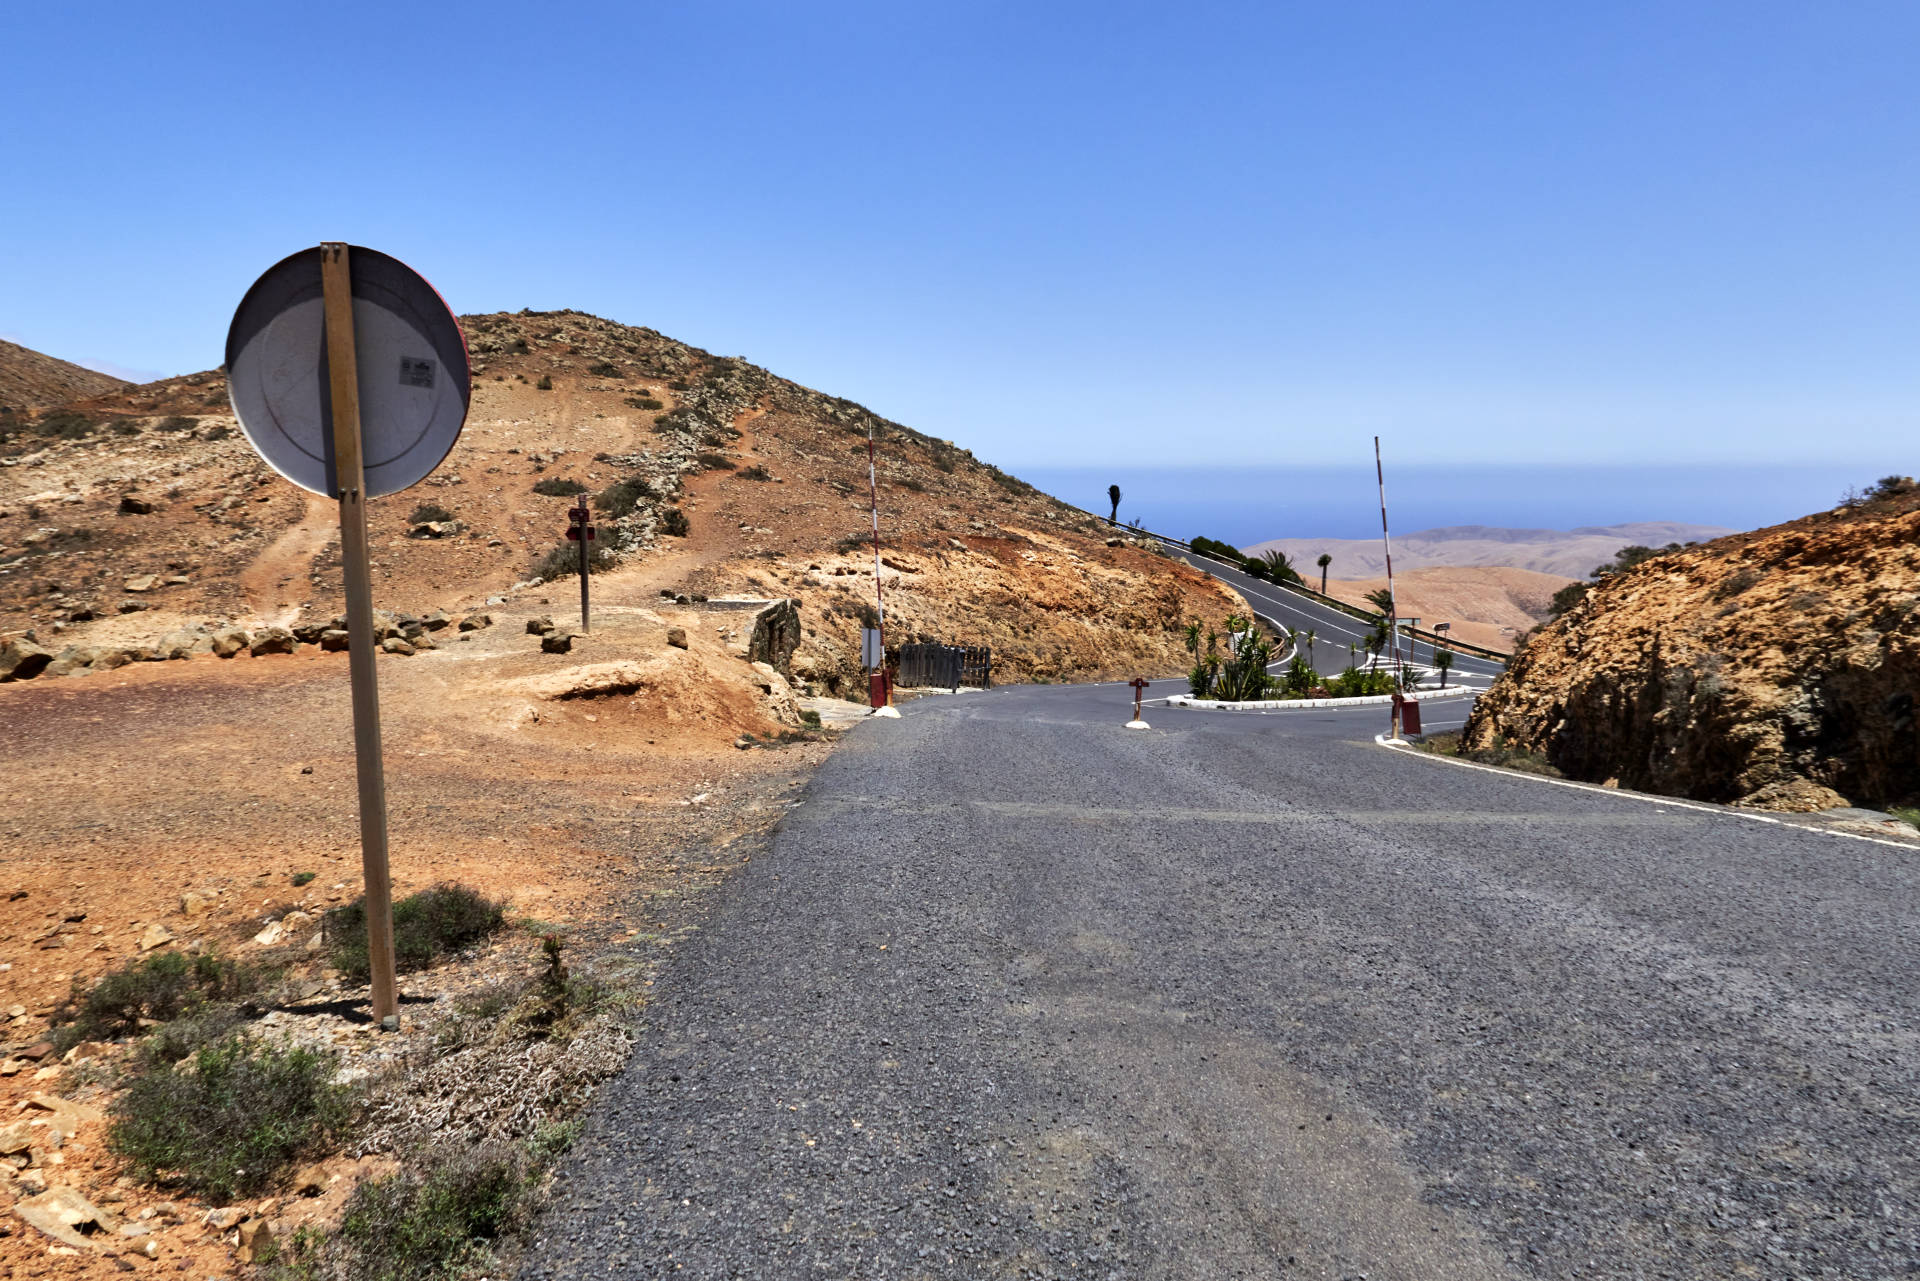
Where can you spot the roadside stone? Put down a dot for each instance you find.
(310, 633)
(155, 935)
(181, 642)
(539, 626)
(677, 637)
(476, 622)
(557, 641)
(435, 529)
(333, 641)
(194, 902)
(256, 1238)
(131, 606)
(17, 1137)
(274, 640)
(397, 645)
(131, 505)
(60, 1212)
(72, 659)
(141, 583)
(436, 620)
(224, 1218)
(22, 660)
(229, 641)
(105, 660)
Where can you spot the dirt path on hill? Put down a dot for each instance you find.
(281, 569)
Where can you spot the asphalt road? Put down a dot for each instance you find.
(1334, 630)
(1019, 993)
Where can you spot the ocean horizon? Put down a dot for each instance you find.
(1242, 505)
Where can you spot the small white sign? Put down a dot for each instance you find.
(872, 657)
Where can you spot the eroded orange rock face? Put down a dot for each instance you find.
(1778, 669)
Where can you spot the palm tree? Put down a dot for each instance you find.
(1326, 559)
(1113, 496)
(1279, 565)
(1381, 600)
(1443, 659)
(1310, 640)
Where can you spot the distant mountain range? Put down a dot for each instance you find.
(1570, 553)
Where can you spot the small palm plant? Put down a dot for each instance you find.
(1279, 566)
(1326, 559)
(1113, 496)
(1443, 659)
(1310, 639)
(1381, 599)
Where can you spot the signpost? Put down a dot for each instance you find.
(349, 376)
(581, 532)
(1139, 684)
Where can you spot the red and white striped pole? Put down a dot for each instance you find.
(879, 599)
(1393, 619)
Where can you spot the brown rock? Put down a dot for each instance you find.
(141, 583)
(557, 641)
(1778, 668)
(61, 1213)
(396, 645)
(677, 637)
(22, 660)
(256, 1237)
(476, 622)
(539, 626)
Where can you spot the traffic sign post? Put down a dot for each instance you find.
(1139, 684)
(581, 532)
(349, 376)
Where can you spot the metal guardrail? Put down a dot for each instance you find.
(1332, 602)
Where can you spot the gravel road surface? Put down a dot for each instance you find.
(1019, 993)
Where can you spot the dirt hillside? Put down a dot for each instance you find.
(1776, 668)
(30, 380)
(712, 476)
(1487, 606)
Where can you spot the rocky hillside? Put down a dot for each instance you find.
(1777, 668)
(141, 510)
(30, 380)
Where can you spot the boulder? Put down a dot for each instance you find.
(132, 606)
(229, 641)
(396, 645)
(194, 902)
(557, 640)
(61, 1212)
(333, 640)
(141, 583)
(677, 637)
(309, 633)
(155, 935)
(105, 660)
(539, 626)
(22, 660)
(178, 643)
(272, 640)
(130, 505)
(436, 620)
(74, 658)
(476, 622)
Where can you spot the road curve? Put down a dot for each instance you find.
(1019, 993)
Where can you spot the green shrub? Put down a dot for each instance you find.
(564, 561)
(755, 472)
(438, 1223)
(558, 487)
(231, 1125)
(1355, 683)
(64, 424)
(718, 462)
(545, 383)
(1218, 550)
(426, 927)
(674, 521)
(304, 878)
(159, 987)
(219, 431)
(177, 423)
(909, 483)
(621, 497)
(429, 512)
(125, 427)
(192, 1032)
(644, 402)
(605, 369)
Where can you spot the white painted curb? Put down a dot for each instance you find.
(890, 713)
(1136, 725)
(1271, 704)
(1402, 745)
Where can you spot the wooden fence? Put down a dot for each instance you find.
(948, 666)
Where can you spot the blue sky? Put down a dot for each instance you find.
(1216, 235)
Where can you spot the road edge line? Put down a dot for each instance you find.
(1675, 803)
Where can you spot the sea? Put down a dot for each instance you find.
(1243, 505)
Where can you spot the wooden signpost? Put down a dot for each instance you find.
(349, 376)
(581, 532)
(1139, 684)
